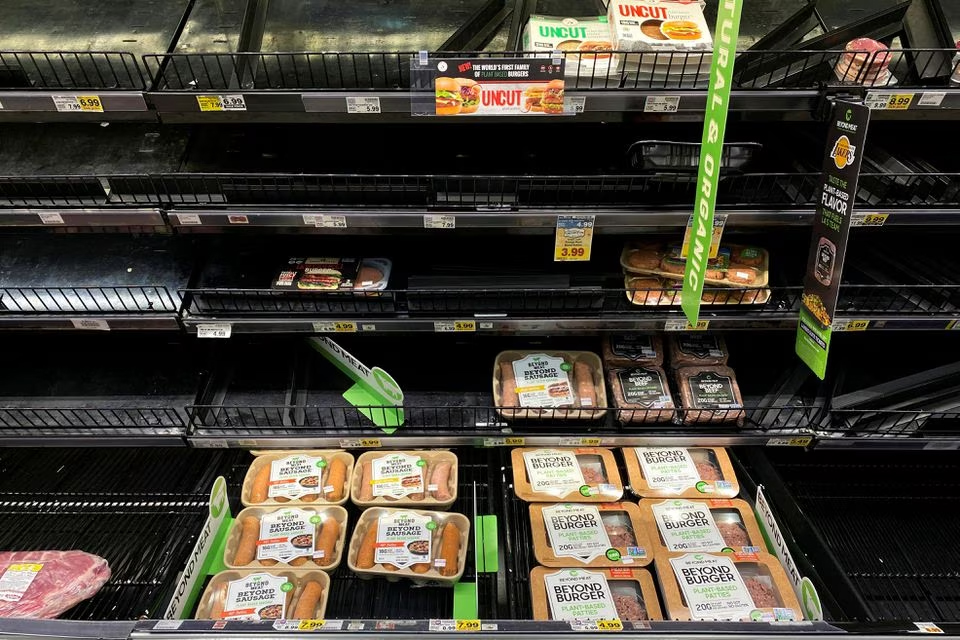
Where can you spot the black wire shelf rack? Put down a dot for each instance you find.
(453, 192)
(337, 71)
(86, 300)
(44, 70)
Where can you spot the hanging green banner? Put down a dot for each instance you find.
(711, 151)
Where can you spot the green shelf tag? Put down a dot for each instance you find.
(465, 601)
(486, 544)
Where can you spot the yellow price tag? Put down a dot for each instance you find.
(900, 101)
(468, 625)
(210, 103)
(684, 325)
(464, 325)
(311, 625)
(851, 325)
(953, 325)
(345, 327)
(574, 238)
(373, 443)
(90, 103)
(613, 624)
(580, 442)
(514, 442)
(869, 219)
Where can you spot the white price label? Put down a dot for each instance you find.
(78, 104)
(168, 625)
(683, 325)
(932, 99)
(439, 222)
(575, 104)
(363, 104)
(217, 330)
(927, 627)
(580, 442)
(325, 221)
(661, 104)
(188, 218)
(90, 324)
(50, 218)
(446, 626)
(486, 325)
(368, 327)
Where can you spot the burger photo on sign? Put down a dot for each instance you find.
(470, 94)
(547, 98)
(449, 98)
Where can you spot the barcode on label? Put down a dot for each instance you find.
(439, 222)
(188, 218)
(51, 218)
(90, 324)
(363, 104)
(325, 221)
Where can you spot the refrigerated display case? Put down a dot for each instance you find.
(166, 165)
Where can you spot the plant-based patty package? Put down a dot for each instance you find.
(586, 474)
(709, 395)
(589, 535)
(593, 594)
(633, 349)
(678, 472)
(334, 274)
(677, 525)
(641, 394)
(585, 42)
(712, 586)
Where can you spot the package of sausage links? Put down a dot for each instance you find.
(295, 536)
(710, 586)
(586, 474)
(426, 479)
(265, 594)
(427, 547)
(593, 594)
(299, 477)
(549, 385)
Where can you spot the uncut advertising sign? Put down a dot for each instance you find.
(498, 87)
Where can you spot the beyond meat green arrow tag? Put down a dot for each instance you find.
(376, 394)
(711, 150)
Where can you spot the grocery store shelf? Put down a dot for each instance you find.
(83, 217)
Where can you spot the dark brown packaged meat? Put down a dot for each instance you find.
(633, 350)
(733, 534)
(697, 349)
(641, 394)
(629, 607)
(709, 394)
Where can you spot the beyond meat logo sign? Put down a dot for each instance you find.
(498, 86)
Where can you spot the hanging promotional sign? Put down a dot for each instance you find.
(495, 87)
(711, 151)
(843, 154)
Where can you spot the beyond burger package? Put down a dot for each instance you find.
(334, 274)
(586, 43)
(498, 86)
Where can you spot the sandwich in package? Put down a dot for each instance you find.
(585, 42)
(334, 274)
(671, 38)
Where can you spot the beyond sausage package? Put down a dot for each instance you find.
(298, 477)
(710, 586)
(677, 472)
(405, 479)
(297, 536)
(428, 547)
(702, 526)
(549, 385)
(589, 535)
(593, 594)
(265, 594)
(566, 475)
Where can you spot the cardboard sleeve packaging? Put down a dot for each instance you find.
(726, 515)
(707, 473)
(597, 468)
(632, 585)
(621, 522)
